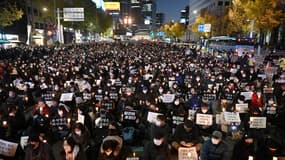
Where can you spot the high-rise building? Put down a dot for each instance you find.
(159, 19)
(215, 6)
(149, 12)
(184, 15)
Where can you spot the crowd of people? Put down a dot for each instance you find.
(101, 100)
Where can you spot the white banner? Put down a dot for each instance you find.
(8, 148)
(257, 122)
(204, 119)
(187, 153)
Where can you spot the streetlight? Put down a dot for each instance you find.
(45, 9)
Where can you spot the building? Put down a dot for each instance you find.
(160, 17)
(149, 13)
(196, 6)
(184, 15)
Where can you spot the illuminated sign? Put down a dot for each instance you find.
(112, 6)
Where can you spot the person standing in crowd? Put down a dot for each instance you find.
(80, 135)
(215, 148)
(186, 135)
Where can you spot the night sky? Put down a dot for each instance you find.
(171, 8)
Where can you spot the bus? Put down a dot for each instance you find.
(226, 43)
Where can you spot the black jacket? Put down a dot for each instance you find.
(214, 152)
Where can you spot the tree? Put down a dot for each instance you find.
(9, 14)
(173, 30)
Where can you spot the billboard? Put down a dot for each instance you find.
(73, 14)
(112, 6)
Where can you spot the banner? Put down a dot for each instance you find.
(257, 122)
(187, 153)
(8, 148)
(204, 119)
(24, 141)
(209, 96)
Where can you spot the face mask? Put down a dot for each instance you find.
(220, 77)
(270, 102)
(144, 91)
(60, 113)
(78, 133)
(176, 103)
(160, 91)
(215, 141)
(157, 142)
(108, 153)
(204, 110)
(157, 123)
(99, 91)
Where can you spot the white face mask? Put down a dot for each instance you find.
(144, 91)
(270, 102)
(60, 113)
(108, 153)
(204, 110)
(157, 142)
(215, 141)
(176, 103)
(78, 133)
(160, 91)
(157, 123)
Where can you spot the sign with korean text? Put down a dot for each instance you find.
(257, 122)
(187, 153)
(204, 119)
(242, 108)
(73, 14)
(232, 117)
(65, 97)
(152, 117)
(168, 98)
(8, 148)
(130, 115)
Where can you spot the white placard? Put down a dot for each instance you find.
(218, 119)
(204, 119)
(257, 122)
(187, 153)
(262, 76)
(65, 97)
(8, 148)
(73, 14)
(242, 108)
(247, 95)
(231, 117)
(170, 83)
(80, 118)
(168, 98)
(24, 141)
(152, 117)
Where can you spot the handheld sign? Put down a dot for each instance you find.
(218, 118)
(66, 97)
(177, 120)
(24, 141)
(187, 153)
(209, 96)
(242, 108)
(113, 96)
(232, 117)
(257, 122)
(204, 119)
(87, 96)
(168, 98)
(247, 95)
(99, 97)
(107, 105)
(130, 115)
(81, 118)
(8, 148)
(152, 117)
